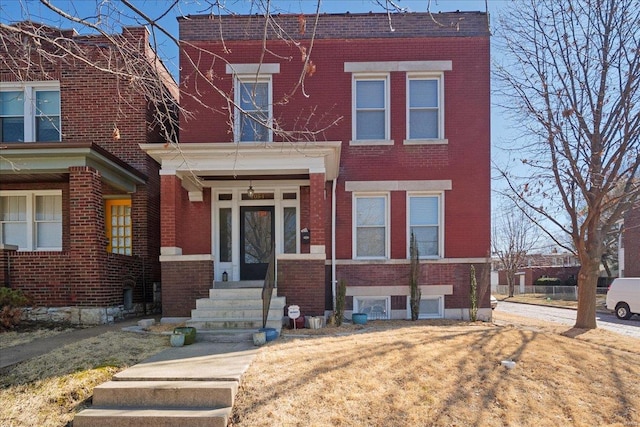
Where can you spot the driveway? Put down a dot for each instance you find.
(567, 316)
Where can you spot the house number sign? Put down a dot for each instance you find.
(294, 312)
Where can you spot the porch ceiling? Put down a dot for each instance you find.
(210, 161)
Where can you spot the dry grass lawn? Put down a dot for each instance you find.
(444, 374)
(398, 373)
(48, 390)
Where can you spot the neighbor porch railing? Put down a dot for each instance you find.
(268, 286)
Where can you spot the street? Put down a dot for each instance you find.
(566, 316)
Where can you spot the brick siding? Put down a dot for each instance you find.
(183, 282)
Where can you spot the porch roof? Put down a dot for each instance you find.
(27, 162)
(195, 162)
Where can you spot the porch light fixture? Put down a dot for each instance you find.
(250, 191)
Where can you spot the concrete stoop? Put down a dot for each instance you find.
(237, 307)
(159, 403)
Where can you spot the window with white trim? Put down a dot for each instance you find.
(424, 223)
(31, 220)
(371, 218)
(30, 112)
(431, 307)
(376, 308)
(371, 107)
(254, 115)
(424, 107)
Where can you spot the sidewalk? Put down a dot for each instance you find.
(19, 353)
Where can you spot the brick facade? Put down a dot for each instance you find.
(92, 103)
(461, 159)
(183, 282)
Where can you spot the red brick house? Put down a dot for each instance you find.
(409, 153)
(79, 200)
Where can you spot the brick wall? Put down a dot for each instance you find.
(455, 275)
(302, 282)
(183, 282)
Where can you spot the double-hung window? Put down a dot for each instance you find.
(371, 107)
(31, 220)
(424, 105)
(424, 223)
(253, 113)
(30, 112)
(371, 226)
(253, 100)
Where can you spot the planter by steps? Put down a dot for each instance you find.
(259, 338)
(271, 333)
(188, 332)
(359, 318)
(177, 339)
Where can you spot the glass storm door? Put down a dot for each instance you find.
(257, 229)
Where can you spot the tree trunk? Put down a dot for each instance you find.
(511, 283)
(587, 284)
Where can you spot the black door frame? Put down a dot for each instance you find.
(254, 271)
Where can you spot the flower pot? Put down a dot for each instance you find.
(176, 339)
(259, 338)
(188, 332)
(359, 318)
(271, 333)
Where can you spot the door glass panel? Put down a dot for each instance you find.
(257, 236)
(225, 235)
(290, 230)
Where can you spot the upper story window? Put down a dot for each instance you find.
(31, 220)
(254, 115)
(30, 112)
(424, 223)
(424, 107)
(371, 219)
(253, 99)
(371, 107)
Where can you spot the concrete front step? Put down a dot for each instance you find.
(180, 394)
(234, 313)
(210, 324)
(152, 417)
(227, 303)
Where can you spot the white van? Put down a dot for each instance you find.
(623, 297)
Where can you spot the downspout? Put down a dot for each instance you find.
(333, 242)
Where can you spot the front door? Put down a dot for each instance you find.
(257, 230)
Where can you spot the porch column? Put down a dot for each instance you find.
(88, 242)
(317, 204)
(170, 189)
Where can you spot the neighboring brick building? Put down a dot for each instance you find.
(629, 243)
(410, 152)
(79, 199)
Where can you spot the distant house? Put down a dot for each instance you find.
(629, 243)
(409, 153)
(563, 266)
(79, 200)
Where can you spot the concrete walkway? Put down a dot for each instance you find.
(193, 385)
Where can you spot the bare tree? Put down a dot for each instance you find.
(571, 78)
(31, 47)
(513, 237)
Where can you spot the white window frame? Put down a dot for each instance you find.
(386, 298)
(31, 221)
(387, 224)
(421, 315)
(387, 109)
(251, 79)
(440, 197)
(30, 89)
(439, 77)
